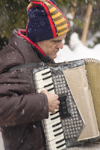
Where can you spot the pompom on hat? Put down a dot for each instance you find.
(46, 21)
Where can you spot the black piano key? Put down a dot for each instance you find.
(58, 134)
(57, 129)
(46, 73)
(47, 77)
(51, 89)
(48, 85)
(55, 113)
(61, 145)
(60, 141)
(55, 117)
(56, 124)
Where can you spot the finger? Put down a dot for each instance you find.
(57, 107)
(56, 96)
(43, 91)
(54, 111)
(58, 102)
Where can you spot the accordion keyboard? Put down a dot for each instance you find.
(63, 127)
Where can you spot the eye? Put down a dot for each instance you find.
(58, 41)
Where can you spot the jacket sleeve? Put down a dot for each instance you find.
(18, 101)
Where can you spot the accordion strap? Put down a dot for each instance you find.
(29, 65)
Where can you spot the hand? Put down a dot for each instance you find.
(53, 101)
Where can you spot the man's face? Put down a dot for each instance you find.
(52, 46)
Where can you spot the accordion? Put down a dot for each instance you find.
(77, 84)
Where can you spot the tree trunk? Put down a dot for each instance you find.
(73, 9)
(87, 22)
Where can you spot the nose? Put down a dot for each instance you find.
(60, 45)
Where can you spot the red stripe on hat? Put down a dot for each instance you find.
(20, 31)
(60, 12)
(49, 17)
(28, 8)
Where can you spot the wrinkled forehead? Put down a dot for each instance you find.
(61, 37)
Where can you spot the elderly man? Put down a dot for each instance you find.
(21, 109)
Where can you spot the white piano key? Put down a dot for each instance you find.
(55, 134)
(54, 128)
(61, 137)
(58, 146)
(48, 121)
(55, 123)
(39, 90)
(52, 91)
(43, 83)
(51, 136)
(42, 72)
(41, 77)
(49, 88)
(57, 142)
(54, 115)
(53, 147)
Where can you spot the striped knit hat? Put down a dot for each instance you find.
(46, 21)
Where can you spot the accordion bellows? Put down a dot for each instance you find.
(93, 71)
(84, 84)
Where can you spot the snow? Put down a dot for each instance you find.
(76, 50)
(93, 39)
(70, 17)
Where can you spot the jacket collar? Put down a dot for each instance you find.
(39, 51)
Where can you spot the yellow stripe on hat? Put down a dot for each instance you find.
(31, 4)
(59, 21)
(58, 18)
(62, 27)
(60, 33)
(46, 3)
(52, 9)
(56, 15)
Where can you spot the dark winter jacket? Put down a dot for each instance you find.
(21, 109)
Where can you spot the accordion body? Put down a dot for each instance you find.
(77, 84)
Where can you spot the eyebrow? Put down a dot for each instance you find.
(56, 40)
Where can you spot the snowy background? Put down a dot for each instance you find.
(75, 50)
